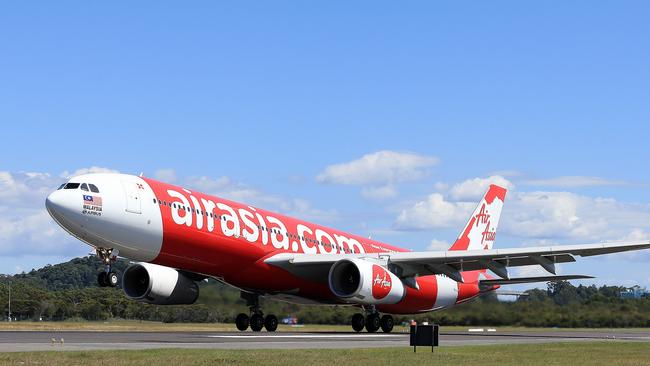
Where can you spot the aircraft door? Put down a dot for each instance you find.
(132, 191)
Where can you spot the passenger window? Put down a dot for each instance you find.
(93, 188)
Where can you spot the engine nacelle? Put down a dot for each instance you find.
(363, 282)
(158, 285)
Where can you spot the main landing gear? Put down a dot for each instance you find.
(372, 321)
(107, 277)
(256, 320)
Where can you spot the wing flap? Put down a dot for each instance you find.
(513, 281)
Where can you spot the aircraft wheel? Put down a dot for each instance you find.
(373, 323)
(112, 279)
(271, 323)
(358, 322)
(257, 322)
(387, 323)
(101, 279)
(242, 322)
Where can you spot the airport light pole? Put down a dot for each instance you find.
(9, 315)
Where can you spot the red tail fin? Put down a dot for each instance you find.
(480, 231)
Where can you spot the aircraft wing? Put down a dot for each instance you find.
(452, 263)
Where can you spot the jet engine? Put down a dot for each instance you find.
(158, 285)
(363, 282)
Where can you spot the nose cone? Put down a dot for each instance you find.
(54, 203)
(60, 204)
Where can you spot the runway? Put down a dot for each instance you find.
(16, 341)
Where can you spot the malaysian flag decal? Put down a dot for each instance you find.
(92, 200)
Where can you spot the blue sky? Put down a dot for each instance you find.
(255, 101)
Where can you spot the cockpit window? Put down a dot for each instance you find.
(84, 187)
(61, 186)
(71, 186)
(93, 188)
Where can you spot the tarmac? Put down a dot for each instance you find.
(26, 341)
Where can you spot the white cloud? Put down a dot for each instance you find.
(438, 245)
(573, 181)
(92, 169)
(26, 188)
(441, 186)
(25, 226)
(303, 209)
(636, 235)
(207, 184)
(434, 212)
(474, 189)
(452, 210)
(507, 173)
(33, 231)
(379, 193)
(379, 168)
(165, 175)
(533, 271)
(558, 215)
(532, 217)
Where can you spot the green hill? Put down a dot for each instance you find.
(77, 273)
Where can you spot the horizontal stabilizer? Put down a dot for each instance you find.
(513, 281)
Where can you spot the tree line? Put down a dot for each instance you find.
(68, 291)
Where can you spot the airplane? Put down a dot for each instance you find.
(178, 237)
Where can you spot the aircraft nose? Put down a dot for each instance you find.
(56, 204)
(52, 201)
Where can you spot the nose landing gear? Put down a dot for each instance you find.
(257, 321)
(107, 277)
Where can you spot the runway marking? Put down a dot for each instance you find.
(355, 336)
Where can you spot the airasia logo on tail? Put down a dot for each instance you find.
(381, 282)
(483, 218)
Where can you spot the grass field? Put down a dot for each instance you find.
(134, 325)
(593, 353)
